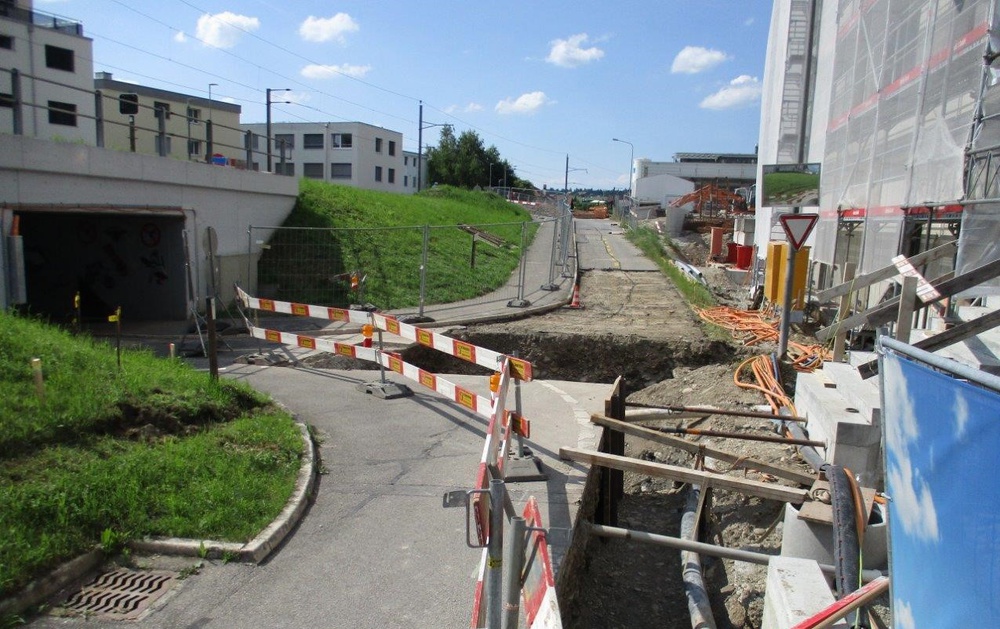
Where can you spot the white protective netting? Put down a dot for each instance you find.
(906, 80)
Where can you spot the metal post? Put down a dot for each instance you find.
(786, 306)
(248, 146)
(551, 285)
(99, 117)
(131, 133)
(213, 347)
(494, 560)
(514, 558)
(161, 130)
(520, 412)
(520, 301)
(248, 286)
(15, 94)
(420, 169)
(423, 269)
(268, 132)
(209, 144)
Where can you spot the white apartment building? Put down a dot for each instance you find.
(411, 164)
(348, 153)
(46, 89)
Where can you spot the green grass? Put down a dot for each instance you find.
(381, 234)
(789, 185)
(152, 449)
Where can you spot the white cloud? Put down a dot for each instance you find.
(223, 30)
(315, 71)
(748, 22)
(695, 59)
(742, 91)
(569, 53)
(524, 104)
(912, 500)
(470, 108)
(180, 37)
(902, 615)
(961, 414)
(320, 29)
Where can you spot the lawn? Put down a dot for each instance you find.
(106, 454)
(337, 230)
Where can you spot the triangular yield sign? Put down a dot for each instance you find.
(798, 227)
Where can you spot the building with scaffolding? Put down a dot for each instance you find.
(896, 102)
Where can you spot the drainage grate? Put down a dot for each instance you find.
(120, 594)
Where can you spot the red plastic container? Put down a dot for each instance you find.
(731, 248)
(744, 256)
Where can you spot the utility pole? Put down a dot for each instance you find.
(268, 131)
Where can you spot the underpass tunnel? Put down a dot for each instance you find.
(129, 259)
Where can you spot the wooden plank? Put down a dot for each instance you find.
(904, 319)
(944, 339)
(822, 513)
(684, 475)
(695, 448)
(887, 272)
(840, 339)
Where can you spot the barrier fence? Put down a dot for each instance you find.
(408, 267)
(530, 579)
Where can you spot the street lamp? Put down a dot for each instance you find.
(268, 131)
(631, 162)
(420, 144)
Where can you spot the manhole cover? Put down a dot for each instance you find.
(120, 594)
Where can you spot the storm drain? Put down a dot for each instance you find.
(120, 594)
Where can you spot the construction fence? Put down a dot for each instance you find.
(395, 268)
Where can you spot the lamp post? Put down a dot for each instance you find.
(268, 131)
(210, 86)
(420, 144)
(631, 161)
(490, 182)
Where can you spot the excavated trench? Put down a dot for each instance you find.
(581, 358)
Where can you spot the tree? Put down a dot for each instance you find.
(466, 163)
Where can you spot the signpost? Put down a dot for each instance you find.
(797, 229)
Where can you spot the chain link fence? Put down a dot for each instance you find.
(395, 268)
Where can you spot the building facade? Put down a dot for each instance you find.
(347, 153)
(185, 129)
(46, 89)
(729, 170)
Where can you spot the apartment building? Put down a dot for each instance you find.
(347, 153)
(185, 132)
(45, 75)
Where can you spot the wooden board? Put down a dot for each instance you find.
(695, 448)
(684, 475)
(822, 513)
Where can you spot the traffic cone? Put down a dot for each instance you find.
(576, 297)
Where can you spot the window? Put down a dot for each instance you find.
(392, 147)
(59, 58)
(287, 138)
(194, 115)
(194, 147)
(312, 170)
(62, 113)
(378, 145)
(255, 143)
(340, 171)
(406, 181)
(6, 42)
(159, 106)
(312, 141)
(6, 100)
(406, 160)
(392, 175)
(378, 173)
(342, 140)
(287, 169)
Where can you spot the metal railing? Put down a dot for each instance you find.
(40, 18)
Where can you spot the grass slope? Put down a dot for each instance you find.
(340, 229)
(107, 454)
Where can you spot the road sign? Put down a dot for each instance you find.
(798, 227)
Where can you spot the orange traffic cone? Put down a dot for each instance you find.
(576, 297)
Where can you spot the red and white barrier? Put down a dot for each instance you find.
(541, 607)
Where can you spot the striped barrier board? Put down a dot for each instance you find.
(491, 456)
(478, 609)
(464, 397)
(520, 369)
(541, 607)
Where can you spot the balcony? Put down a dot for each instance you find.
(39, 18)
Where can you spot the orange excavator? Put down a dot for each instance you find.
(712, 200)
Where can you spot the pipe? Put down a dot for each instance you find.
(739, 435)
(716, 411)
(699, 605)
(711, 550)
(810, 454)
(846, 539)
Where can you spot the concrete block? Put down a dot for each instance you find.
(859, 394)
(811, 540)
(796, 590)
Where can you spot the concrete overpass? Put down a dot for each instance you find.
(150, 234)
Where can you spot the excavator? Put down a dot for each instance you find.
(713, 201)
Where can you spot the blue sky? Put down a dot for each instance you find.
(539, 80)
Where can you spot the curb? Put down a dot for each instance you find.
(255, 551)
